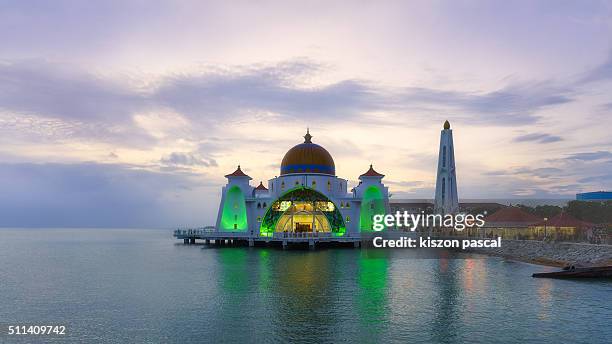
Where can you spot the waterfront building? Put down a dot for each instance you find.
(563, 227)
(510, 223)
(446, 200)
(307, 198)
(595, 196)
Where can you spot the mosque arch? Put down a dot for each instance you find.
(372, 203)
(302, 209)
(234, 215)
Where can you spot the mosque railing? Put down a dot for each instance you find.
(194, 231)
(301, 235)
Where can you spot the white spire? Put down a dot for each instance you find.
(446, 199)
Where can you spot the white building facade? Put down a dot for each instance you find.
(307, 197)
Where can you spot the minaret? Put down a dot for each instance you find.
(446, 200)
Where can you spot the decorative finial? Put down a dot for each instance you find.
(446, 125)
(307, 137)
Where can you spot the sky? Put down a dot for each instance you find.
(129, 113)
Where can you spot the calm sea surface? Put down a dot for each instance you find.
(131, 286)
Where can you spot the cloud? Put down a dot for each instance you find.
(266, 90)
(590, 156)
(187, 159)
(99, 195)
(63, 91)
(515, 104)
(538, 138)
(599, 73)
(273, 89)
(90, 106)
(541, 172)
(602, 179)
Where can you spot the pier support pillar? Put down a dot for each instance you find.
(192, 241)
(207, 241)
(251, 243)
(356, 244)
(311, 245)
(185, 241)
(284, 244)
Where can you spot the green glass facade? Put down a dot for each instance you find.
(373, 203)
(301, 195)
(234, 216)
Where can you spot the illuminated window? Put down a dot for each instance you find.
(348, 205)
(265, 205)
(283, 186)
(297, 183)
(258, 218)
(328, 185)
(314, 184)
(348, 219)
(258, 205)
(284, 205)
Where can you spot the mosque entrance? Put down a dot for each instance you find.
(304, 216)
(302, 210)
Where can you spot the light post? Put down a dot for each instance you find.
(545, 222)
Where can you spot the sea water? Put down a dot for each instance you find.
(137, 285)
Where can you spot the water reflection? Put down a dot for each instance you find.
(544, 296)
(447, 304)
(372, 293)
(270, 295)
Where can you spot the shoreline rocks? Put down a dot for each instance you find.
(551, 253)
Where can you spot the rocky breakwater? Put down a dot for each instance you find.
(552, 253)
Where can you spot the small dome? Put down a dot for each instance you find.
(308, 157)
(447, 125)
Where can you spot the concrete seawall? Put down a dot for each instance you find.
(551, 253)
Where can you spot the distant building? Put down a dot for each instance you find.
(595, 196)
(563, 227)
(446, 200)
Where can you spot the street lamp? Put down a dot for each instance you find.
(545, 222)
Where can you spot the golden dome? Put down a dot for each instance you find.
(308, 157)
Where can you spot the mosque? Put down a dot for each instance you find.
(309, 202)
(307, 197)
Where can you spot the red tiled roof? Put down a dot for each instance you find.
(512, 216)
(371, 173)
(237, 173)
(564, 220)
(261, 187)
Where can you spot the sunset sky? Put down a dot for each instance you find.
(129, 113)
